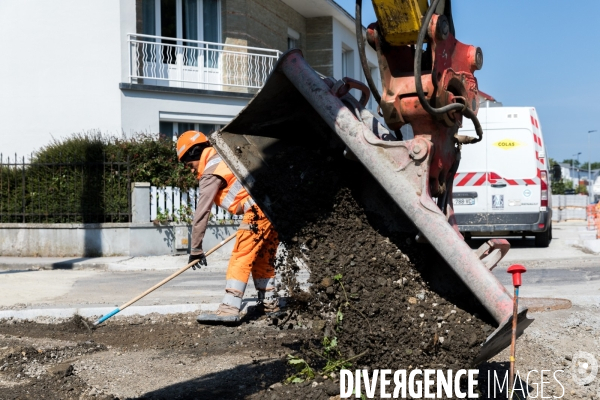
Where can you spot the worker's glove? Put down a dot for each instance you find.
(200, 260)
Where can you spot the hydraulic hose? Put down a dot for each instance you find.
(462, 108)
(360, 41)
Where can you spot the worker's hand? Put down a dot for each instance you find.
(200, 260)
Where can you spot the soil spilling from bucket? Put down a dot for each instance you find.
(383, 300)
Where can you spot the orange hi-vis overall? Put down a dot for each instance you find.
(256, 240)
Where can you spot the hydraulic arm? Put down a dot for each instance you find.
(431, 89)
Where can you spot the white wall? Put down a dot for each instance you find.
(97, 240)
(141, 110)
(60, 70)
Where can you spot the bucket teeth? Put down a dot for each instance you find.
(501, 337)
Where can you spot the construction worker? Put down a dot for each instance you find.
(256, 240)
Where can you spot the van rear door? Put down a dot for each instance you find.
(470, 184)
(512, 166)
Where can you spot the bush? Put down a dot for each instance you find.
(151, 159)
(86, 178)
(558, 187)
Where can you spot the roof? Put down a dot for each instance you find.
(322, 8)
(486, 96)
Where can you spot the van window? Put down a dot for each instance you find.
(511, 153)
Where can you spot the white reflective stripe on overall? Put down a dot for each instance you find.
(231, 195)
(235, 285)
(233, 296)
(212, 162)
(249, 203)
(265, 284)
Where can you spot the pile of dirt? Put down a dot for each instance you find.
(377, 303)
(382, 300)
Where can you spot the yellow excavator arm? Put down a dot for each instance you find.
(400, 20)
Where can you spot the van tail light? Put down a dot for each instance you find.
(544, 187)
(493, 177)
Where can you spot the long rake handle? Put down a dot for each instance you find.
(159, 284)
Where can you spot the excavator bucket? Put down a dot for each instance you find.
(297, 107)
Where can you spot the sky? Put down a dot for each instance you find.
(540, 53)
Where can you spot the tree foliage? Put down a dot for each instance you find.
(595, 165)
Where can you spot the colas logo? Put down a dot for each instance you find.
(507, 144)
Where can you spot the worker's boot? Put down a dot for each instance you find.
(268, 303)
(224, 313)
(229, 310)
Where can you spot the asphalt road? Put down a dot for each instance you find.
(562, 270)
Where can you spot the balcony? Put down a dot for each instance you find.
(194, 64)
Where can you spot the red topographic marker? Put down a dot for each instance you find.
(516, 270)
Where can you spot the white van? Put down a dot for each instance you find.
(501, 186)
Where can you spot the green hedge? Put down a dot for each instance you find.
(86, 178)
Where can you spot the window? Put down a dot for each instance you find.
(166, 129)
(149, 17)
(188, 20)
(175, 129)
(168, 28)
(293, 41)
(347, 62)
(184, 127)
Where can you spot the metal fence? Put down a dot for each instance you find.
(176, 62)
(63, 190)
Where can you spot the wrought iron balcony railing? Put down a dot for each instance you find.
(164, 61)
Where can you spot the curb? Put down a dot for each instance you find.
(97, 312)
(96, 266)
(26, 264)
(93, 312)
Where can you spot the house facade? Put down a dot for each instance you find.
(154, 66)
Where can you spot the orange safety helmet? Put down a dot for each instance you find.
(191, 140)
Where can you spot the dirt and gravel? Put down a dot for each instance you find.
(376, 300)
(172, 357)
(155, 357)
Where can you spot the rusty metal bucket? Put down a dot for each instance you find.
(297, 105)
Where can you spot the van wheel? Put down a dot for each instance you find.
(542, 239)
